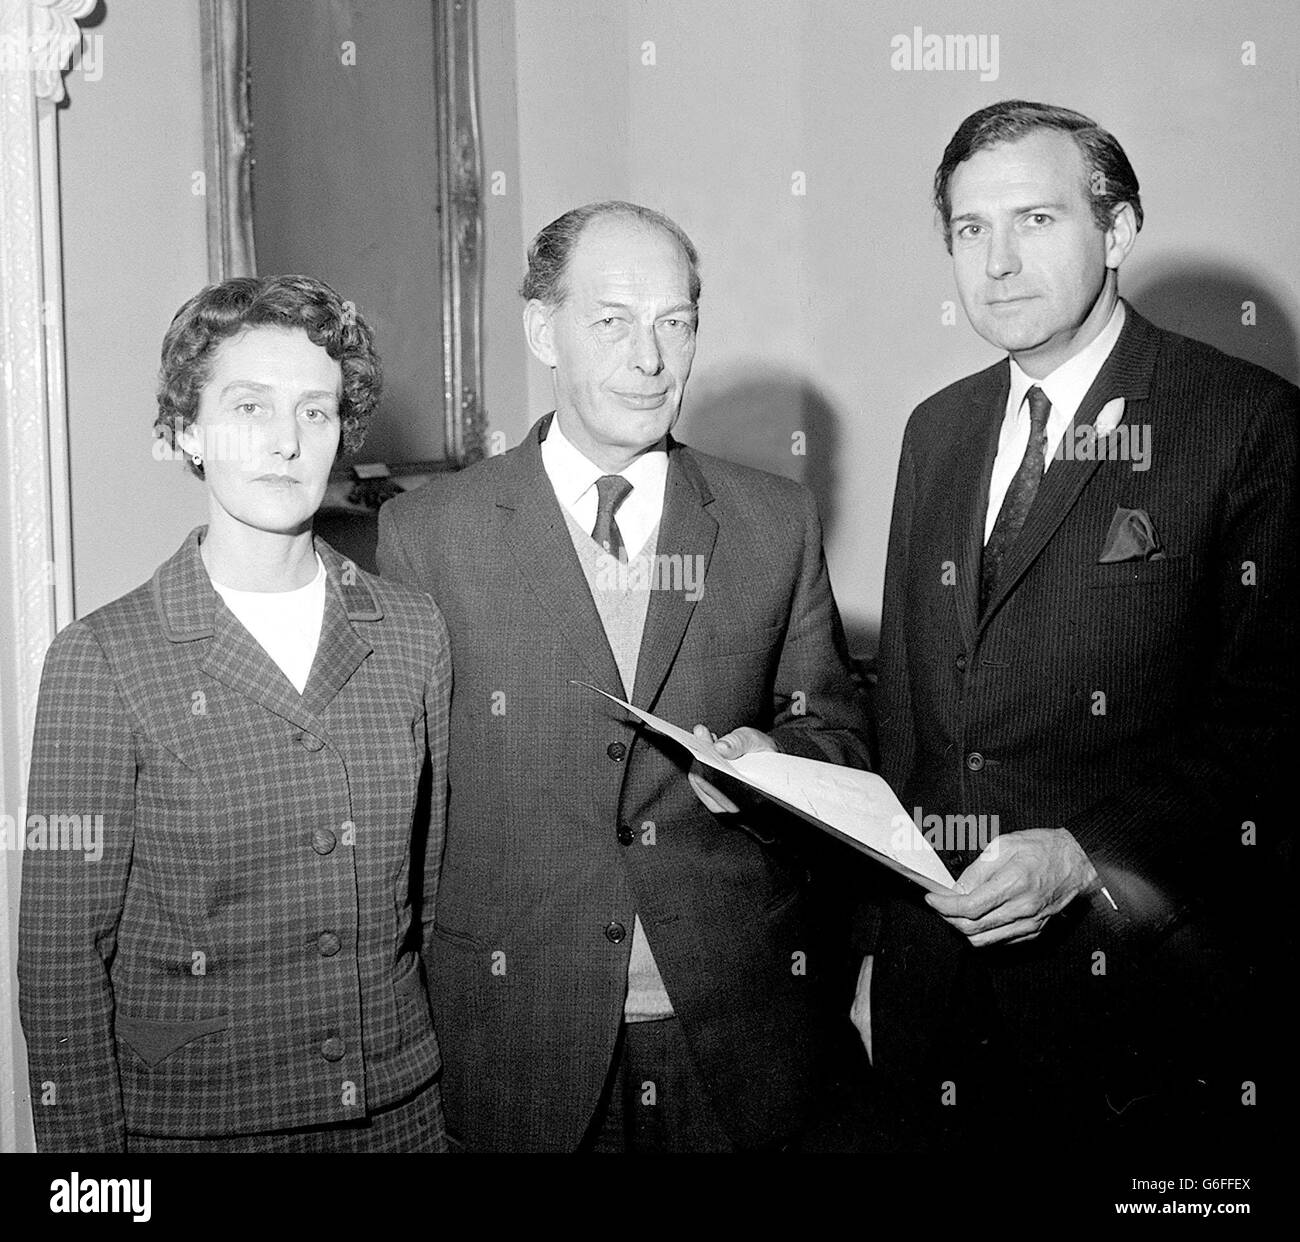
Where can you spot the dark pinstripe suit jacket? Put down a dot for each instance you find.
(553, 791)
(245, 955)
(1143, 705)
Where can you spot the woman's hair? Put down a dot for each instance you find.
(219, 312)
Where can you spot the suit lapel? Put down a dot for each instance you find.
(686, 529)
(535, 532)
(970, 493)
(191, 610)
(341, 649)
(237, 660)
(1126, 373)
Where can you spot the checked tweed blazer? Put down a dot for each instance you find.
(245, 957)
(1144, 704)
(566, 819)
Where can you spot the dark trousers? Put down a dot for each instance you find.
(654, 1100)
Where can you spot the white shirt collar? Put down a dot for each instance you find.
(573, 475)
(1067, 386)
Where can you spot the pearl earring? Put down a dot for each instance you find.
(197, 459)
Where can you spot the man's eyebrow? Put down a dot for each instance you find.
(624, 306)
(1014, 211)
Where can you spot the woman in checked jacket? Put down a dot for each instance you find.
(247, 737)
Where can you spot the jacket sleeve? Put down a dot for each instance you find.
(894, 691)
(1227, 759)
(391, 556)
(820, 711)
(437, 708)
(893, 699)
(81, 791)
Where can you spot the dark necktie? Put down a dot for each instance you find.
(1020, 495)
(612, 489)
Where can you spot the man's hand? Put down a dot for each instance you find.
(1018, 882)
(731, 746)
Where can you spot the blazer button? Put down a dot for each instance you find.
(960, 662)
(625, 836)
(615, 932)
(328, 944)
(309, 741)
(616, 751)
(975, 761)
(323, 841)
(333, 1049)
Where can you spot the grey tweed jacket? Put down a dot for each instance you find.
(566, 819)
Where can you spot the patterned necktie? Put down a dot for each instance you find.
(1020, 495)
(612, 489)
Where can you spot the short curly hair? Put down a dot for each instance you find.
(224, 310)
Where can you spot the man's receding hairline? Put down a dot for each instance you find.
(631, 217)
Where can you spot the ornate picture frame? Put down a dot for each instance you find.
(230, 139)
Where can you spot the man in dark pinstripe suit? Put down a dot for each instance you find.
(1088, 640)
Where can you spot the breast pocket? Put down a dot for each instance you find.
(1169, 569)
(726, 640)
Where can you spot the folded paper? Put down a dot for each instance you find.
(857, 807)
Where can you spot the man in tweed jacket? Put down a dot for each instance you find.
(1112, 685)
(574, 840)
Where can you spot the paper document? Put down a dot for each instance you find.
(858, 807)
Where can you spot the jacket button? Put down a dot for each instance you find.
(309, 741)
(615, 932)
(975, 761)
(328, 944)
(616, 751)
(624, 835)
(323, 841)
(333, 1049)
(961, 662)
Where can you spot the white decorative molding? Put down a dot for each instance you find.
(37, 39)
(54, 37)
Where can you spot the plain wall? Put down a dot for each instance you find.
(823, 312)
(134, 249)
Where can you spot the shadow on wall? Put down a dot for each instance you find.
(771, 420)
(1206, 302)
(778, 421)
